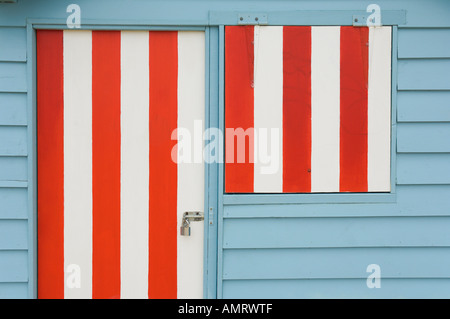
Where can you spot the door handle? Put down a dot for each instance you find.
(188, 217)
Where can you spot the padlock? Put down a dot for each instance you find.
(185, 229)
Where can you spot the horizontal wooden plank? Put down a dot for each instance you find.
(13, 184)
(16, 44)
(13, 290)
(336, 288)
(13, 140)
(13, 168)
(336, 232)
(197, 11)
(13, 109)
(13, 266)
(423, 106)
(13, 234)
(13, 203)
(423, 168)
(424, 43)
(430, 13)
(411, 200)
(13, 77)
(423, 137)
(316, 198)
(322, 263)
(423, 74)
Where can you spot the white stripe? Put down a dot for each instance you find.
(325, 113)
(78, 164)
(190, 195)
(379, 109)
(134, 164)
(268, 109)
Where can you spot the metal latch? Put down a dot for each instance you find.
(188, 217)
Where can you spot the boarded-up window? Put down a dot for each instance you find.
(307, 109)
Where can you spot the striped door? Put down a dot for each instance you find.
(307, 109)
(110, 194)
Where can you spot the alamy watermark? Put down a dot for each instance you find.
(74, 19)
(73, 276)
(373, 20)
(374, 279)
(250, 145)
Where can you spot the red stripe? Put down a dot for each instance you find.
(106, 164)
(50, 183)
(353, 131)
(297, 109)
(162, 281)
(239, 101)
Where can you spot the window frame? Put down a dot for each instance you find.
(311, 18)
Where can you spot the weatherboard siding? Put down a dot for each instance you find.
(14, 235)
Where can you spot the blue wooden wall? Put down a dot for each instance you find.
(14, 175)
(270, 246)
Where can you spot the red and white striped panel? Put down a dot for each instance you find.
(321, 95)
(110, 198)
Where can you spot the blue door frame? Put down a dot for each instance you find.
(211, 120)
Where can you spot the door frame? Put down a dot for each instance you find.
(211, 120)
